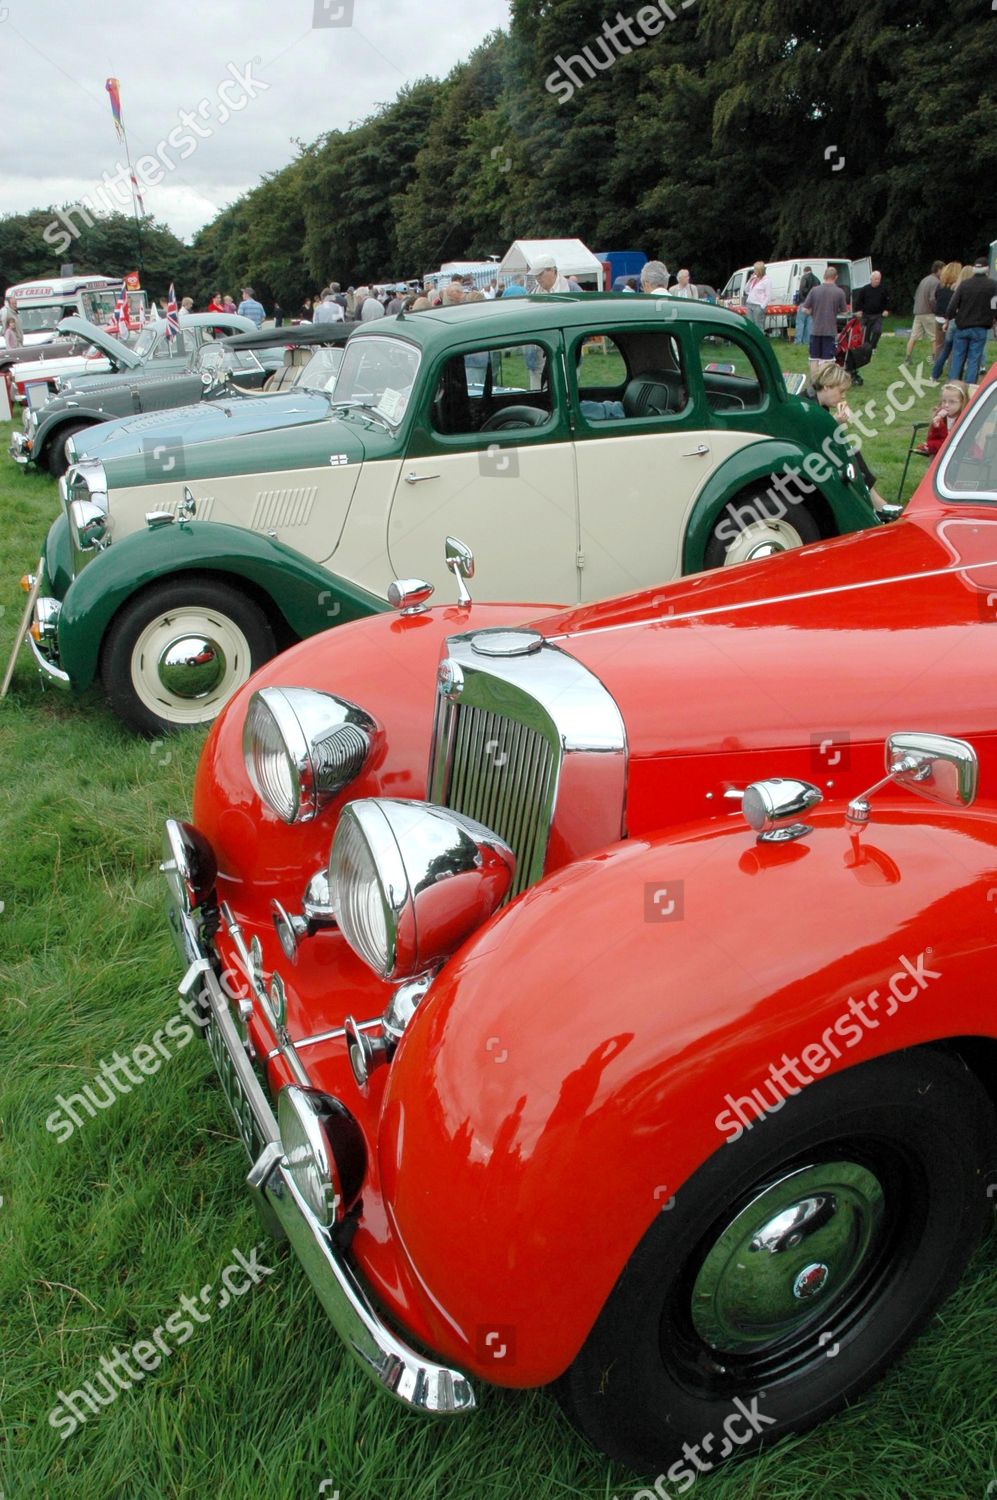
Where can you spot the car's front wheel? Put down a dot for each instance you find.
(175, 655)
(757, 526)
(57, 458)
(791, 1269)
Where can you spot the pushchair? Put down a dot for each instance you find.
(851, 350)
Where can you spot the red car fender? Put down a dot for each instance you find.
(587, 1052)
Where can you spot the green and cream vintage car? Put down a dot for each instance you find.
(580, 446)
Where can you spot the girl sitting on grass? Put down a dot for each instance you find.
(954, 399)
(830, 388)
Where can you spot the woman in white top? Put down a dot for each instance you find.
(757, 295)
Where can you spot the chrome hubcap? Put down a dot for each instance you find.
(192, 666)
(763, 538)
(789, 1257)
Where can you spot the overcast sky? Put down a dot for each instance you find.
(56, 55)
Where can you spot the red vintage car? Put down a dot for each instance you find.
(607, 1002)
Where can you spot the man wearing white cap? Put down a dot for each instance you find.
(544, 271)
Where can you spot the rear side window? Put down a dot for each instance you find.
(731, 378)
(634, 375)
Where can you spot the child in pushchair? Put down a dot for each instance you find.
(851, 350)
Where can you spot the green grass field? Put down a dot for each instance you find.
(102, 1236)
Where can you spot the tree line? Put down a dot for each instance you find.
(741, 129)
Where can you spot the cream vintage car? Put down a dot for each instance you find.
(580, 446)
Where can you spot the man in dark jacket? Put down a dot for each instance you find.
(803, 320)
(873, 302)
(974, 307)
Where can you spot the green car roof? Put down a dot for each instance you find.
(438, 326)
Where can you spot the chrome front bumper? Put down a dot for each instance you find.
(20, 448)
(47, 669)
(401, 1371)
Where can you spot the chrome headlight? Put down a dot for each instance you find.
(323, 1151)
(411, 881)
(302, 747)
(85, 495)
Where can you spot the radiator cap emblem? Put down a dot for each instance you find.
(501, 642)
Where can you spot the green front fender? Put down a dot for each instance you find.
(301, 592)
(849, 503)
(57, 556)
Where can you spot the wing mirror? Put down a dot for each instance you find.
(932, 765)
(460, 561)
(187, 509)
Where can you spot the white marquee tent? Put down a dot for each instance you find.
(571, 256)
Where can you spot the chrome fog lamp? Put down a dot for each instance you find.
(324, 1151)
(301, 747)
(189, 864)
(410, 881)
(46, 624)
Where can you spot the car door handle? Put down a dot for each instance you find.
(419, 478)
(699, 452)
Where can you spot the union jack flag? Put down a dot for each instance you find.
(172, 314)
(121, 315)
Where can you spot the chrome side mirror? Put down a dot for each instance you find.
(771, 808)
(932, 765)
(946, 770)
(187, 509)
(460, 561)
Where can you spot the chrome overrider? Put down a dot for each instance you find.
(418, 1382)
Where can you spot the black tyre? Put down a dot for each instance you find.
(55, 458)
(755, 526)
(792, 1269)
(175, 655)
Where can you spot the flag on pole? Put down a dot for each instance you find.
(114, 89)
(172, 314)
(121, 315)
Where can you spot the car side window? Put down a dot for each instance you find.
(634, 376)
(731, 377)
(493, 390)
(971, 466)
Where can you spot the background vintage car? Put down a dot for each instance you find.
(212, 368)
(580, 446)
(104, 353)
(611, 1174)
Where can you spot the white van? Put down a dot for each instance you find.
(42, 304)
(784, 276)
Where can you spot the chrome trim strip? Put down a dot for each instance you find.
(419, 1383)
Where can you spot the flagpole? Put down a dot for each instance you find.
(114, 89)
(134, 185)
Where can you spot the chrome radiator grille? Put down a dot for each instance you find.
(503, 774)
(522, 728)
